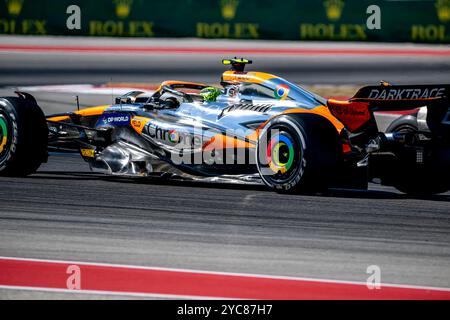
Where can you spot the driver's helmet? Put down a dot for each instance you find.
(210, 94)
(232, 90)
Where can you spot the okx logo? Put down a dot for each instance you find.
(334, 9)
(443, 10)
(14, 7)
(123, 8)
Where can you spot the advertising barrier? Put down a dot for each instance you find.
(326, 20)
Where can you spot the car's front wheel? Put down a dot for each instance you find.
(23, 136)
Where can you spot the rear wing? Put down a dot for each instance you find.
(358, 110)
(390, 98)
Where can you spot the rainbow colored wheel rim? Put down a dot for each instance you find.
(281, 92)
(280, 154)
(3, 134)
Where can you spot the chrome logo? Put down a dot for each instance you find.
(280, 154)
(281, 92)
(174, 136)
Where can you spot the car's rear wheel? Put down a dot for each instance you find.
(23, 136)
(422, 182)
(298, 153)
(417, 180)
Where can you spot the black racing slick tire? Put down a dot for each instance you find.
(23, 136)
(415, 180)
(298, 153)
(422, 182)
(406, 123)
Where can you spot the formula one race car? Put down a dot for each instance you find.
(254, 124)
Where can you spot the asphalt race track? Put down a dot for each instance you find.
(65, 212)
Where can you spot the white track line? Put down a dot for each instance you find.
(112, 293)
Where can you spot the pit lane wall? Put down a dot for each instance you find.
(336, 20)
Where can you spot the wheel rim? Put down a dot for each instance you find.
(4, 137)
(280, 153)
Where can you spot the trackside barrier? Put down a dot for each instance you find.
(335, 20)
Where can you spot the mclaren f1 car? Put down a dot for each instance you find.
(254, 124)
